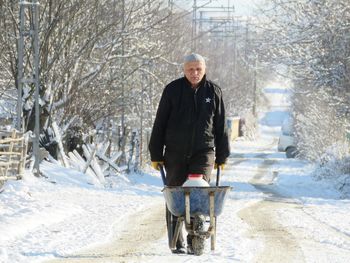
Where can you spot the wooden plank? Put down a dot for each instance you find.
(115, 157)
(5, 164)
(110, 162)
(11, 140)
(104, 148)
(75, 161)
(15, 145)
(4, 178)
(13, 154)
(22, 165)
(10, 153)
(89, 155)
(13, 135)
(9, 132)
(59, 144)
(5, 158)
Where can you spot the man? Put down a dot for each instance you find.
(189, 133)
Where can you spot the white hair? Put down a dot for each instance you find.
(194, 57)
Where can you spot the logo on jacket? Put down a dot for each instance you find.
(207, 100)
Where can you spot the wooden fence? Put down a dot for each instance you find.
(13, 149)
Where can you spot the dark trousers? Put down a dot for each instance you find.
(177, 168)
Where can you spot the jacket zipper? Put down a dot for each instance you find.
(194, 124)
(195, 102)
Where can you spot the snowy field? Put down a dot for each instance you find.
(42, 219)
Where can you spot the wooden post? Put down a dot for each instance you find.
(89, 157)
(60, 145)
(12, 155)
(13, 136)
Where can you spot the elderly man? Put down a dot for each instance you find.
(189, 134)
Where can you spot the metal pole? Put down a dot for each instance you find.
(170, 5)
(31, 53)
(255, 86)
(35, 8)
(194, 25)
(141, 121)
(123, 59)
(20, 68)
(234, 47)
(123, 133)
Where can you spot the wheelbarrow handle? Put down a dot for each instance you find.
(162, 173)
(218, 176)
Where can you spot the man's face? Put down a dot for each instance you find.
(194, 72)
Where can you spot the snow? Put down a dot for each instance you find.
(60, 214)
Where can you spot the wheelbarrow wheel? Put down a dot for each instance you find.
(198, 242)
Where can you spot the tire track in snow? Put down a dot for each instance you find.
(141, 230)
(279, 244)
(289, 230)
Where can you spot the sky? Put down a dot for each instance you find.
(69, 216)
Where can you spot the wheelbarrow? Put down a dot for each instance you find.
(197, 203)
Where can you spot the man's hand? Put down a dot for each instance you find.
(221, 166)
(156, 164)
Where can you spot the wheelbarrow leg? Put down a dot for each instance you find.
(187, 208)
(176, 233)
(212, 227)
(169, 221)
(173, 232)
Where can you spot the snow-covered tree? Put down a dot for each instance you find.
(312, 39)
(104, 64)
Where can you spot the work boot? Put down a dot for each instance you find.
(189, 244)
(179, 250)
(190, 250)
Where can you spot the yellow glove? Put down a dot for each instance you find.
(221, 166)
(155, 165)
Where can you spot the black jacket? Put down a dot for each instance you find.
(189, 121)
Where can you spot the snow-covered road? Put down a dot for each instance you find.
(260, 222)
(137, 235)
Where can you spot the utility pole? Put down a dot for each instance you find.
(122, 140)
(29, 29)
(211, 20)
(255, 90)
(194, 26)
(123, 62)
(171, 5)
(20, 73)
(145, 80)
(235, 28)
